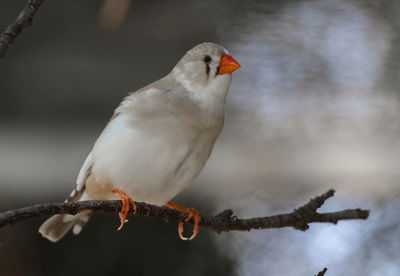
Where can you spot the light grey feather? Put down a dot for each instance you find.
(57, 226)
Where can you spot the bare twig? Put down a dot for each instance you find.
(322, 272)
(223, 222)
(24, 20)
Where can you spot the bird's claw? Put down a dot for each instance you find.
(126, 200)
(192, 214)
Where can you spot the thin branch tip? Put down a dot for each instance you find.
(322, 272)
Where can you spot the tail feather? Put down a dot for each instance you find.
(58, 225)
(80, 223)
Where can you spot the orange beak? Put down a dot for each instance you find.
(227, 65)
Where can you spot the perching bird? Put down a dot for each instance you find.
(157, 141)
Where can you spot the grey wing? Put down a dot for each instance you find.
(85, 171)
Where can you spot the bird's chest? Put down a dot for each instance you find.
(151, 164)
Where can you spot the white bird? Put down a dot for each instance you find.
(157, 141)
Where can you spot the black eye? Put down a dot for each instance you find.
(207, 59)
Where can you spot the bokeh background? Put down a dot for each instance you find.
(316, 105)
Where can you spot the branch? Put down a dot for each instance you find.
(24, 20)
(223, 222)
(322, 272)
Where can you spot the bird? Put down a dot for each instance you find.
(157, 141)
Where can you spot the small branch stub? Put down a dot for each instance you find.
(322, 272)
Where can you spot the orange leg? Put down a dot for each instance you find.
(125, 206)
(192, 213)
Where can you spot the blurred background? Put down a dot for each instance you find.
(316, 105)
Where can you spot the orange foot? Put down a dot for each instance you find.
(125, 206)
(192, 213)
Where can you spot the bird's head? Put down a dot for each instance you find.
(205, 71)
